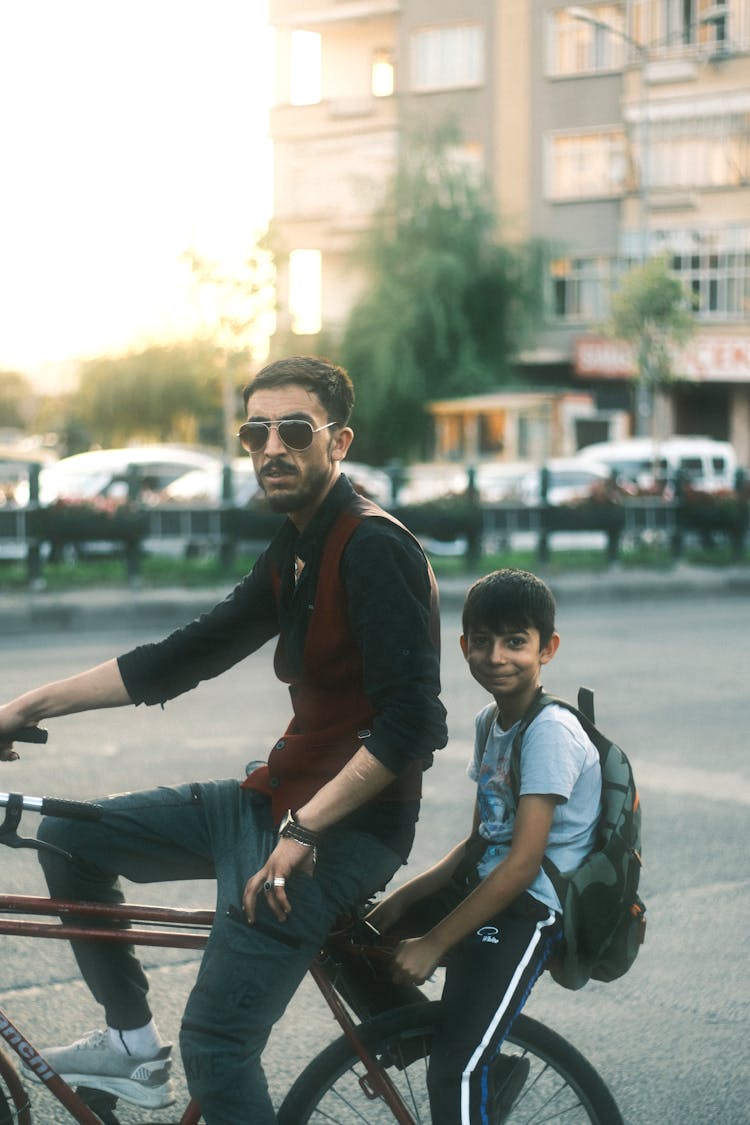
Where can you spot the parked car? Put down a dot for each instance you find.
(99, 479)
(500, 480)
(430, 481)
(373, 483)
(102, 474)
(494, 481)
(570, 481)
(204, 486)
(15, 465)
(704, 463)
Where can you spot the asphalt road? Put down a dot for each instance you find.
(671, 686)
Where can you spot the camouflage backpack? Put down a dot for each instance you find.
(603, 918)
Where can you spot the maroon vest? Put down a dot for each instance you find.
(332, 714)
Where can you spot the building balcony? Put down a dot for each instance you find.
(315, 13)
(333, 117)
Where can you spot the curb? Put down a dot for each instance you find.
(99, 609)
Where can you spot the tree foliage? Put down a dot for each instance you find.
(239, 301)
(162, 393)
(16, 400)
(448, 305)
(186, 391)
(651, 311)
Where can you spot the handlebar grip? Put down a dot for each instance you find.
(75, 810)
(29, 734)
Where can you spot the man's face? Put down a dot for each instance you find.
(296, 481)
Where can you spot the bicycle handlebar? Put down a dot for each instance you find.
(52, 806)
(47, 806)
(28, 734)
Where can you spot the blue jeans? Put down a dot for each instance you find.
(248, 975)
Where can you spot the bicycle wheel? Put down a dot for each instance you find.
(561, 1086)
(14, 1103)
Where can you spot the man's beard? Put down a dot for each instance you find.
(301, 494)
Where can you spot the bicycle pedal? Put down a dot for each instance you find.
(99, 1102)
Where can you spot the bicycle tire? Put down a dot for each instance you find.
(562, 1086)
(14, 1101)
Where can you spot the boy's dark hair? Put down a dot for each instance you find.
(510, 599)
(328, 381)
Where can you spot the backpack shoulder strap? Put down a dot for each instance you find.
(483, 733)
(538, 703)
(584, 712)
(586, 703)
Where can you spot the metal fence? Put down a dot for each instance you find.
(37, 535)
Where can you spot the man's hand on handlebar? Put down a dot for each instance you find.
(15, 733)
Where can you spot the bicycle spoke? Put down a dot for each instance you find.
(324, 1116)
(412, 1102)
(550, 1109)
(561, 1087)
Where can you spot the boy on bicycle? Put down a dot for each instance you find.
(499, 937)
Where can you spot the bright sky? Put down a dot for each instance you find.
(130, 131)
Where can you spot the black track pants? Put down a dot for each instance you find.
(488, 978)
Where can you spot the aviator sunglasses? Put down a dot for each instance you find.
(296, 433)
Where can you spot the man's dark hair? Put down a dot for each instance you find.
(328, 381)
(510, 599)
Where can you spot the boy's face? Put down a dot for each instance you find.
(508, 664)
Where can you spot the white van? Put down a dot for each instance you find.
(703, 462)
(103, 473)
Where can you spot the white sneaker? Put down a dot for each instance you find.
(93, 1061)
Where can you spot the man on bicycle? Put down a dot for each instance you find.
(330, 816)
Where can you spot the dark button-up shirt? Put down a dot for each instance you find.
(386, 579)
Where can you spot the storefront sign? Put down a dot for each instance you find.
(715, 359)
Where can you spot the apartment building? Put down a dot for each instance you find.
(613, 130)
(643, 121)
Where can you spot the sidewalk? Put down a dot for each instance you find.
(100, 609)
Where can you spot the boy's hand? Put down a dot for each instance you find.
(415, 960)
(385, 914)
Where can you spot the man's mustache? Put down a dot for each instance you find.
(277, 465)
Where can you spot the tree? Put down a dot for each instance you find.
(16, 400)
(162, 393)
(448, 305)
(241, 305)
(189, 390)
(651, 311)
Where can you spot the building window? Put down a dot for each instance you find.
(719, 282)
(306, 74)
(700, 152)
(586, 165)
(577, 47)
(447, 58)
(669, 27)
(383, 73)
(713, 266)
(305, 291)
(679, 20)
(581, 288)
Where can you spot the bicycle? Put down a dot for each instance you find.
(373, 1074)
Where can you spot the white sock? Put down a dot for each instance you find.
(142, 1042)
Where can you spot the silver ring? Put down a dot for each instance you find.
(279, 881)
(267, 886)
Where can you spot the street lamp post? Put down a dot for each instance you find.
(643, 391)
(642, 52)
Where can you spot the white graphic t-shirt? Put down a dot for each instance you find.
(557, 758)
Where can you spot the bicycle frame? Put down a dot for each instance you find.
(189, 930)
